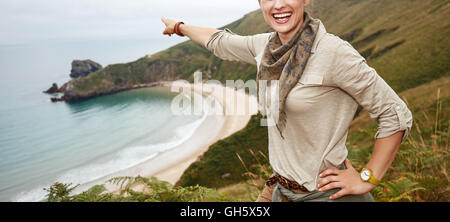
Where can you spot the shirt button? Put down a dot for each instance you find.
(398, 107)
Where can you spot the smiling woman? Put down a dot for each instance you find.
(284, 20)
(319, 81)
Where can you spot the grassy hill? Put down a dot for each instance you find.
(389, 46)
(406, 41)
(422, 161)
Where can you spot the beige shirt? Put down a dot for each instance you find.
(322, 105)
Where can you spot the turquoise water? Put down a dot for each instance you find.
(43, 142)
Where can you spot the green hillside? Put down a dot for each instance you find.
(406, 41)
(422, 159)
(412, 85)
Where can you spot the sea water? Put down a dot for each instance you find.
(43, 142)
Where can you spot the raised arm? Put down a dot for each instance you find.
(223, 43)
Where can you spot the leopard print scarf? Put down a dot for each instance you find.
(286, 64)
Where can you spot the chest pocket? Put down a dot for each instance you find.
(311, 78)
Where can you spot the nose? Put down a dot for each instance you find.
(279, 4)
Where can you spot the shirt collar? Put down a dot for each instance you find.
(320, 33)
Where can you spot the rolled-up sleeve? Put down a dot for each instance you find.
(232, 47)
(351, 73)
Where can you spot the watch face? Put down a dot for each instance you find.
(365, 175)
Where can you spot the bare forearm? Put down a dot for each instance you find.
(349, 180)
(384, 153)
(199, 35)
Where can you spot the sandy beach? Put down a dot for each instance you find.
(236, 109)
(233, 121)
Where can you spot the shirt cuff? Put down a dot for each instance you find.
(398, 119)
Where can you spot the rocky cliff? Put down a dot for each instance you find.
(82, 68)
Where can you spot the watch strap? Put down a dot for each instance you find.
(374, 180)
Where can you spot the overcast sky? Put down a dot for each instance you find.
(25, 21)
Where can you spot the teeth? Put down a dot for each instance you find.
(282, 15)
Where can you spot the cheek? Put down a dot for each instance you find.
(298, 16)
(267, 16)
(265, 8)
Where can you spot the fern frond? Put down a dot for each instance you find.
(128, 180)
(397, 190)
(94, 194)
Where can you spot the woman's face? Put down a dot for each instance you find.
(284, 16)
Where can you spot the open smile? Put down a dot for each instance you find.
(282, 17)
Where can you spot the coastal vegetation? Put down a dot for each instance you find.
(418, 173)
(406, 41)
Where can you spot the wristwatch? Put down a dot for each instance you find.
(367, 176)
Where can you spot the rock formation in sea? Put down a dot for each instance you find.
(53, 89)
(82, 68)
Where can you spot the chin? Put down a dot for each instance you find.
(282, 28)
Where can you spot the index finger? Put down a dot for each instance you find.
(330, 171)
(164, 20)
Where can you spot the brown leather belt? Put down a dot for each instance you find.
(288, 184)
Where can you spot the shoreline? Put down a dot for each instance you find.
(70, 97)
(232, 124)
(171, 164)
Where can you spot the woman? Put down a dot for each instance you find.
(326, 79)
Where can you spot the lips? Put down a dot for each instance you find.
(282, 17)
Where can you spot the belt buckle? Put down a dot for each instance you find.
(287, 183)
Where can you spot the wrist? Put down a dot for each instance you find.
(376, 171)
(367, 187)
(177, 28)
(368, 176)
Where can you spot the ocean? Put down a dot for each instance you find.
(43, 142)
